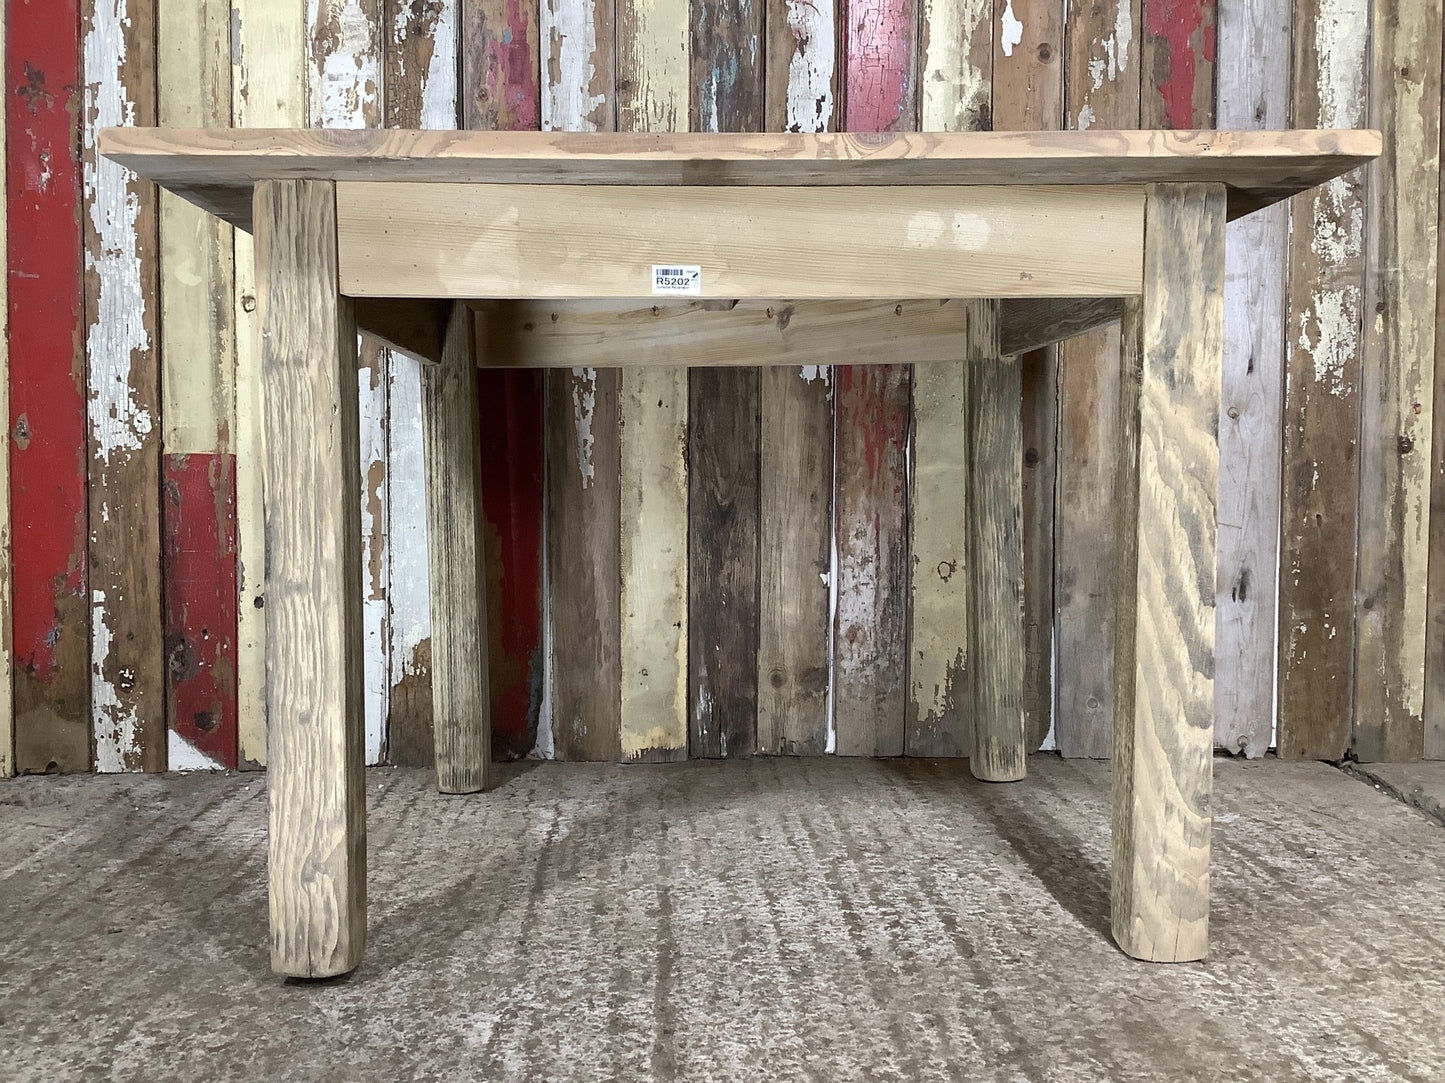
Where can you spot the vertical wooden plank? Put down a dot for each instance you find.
(197, 331)
(995, 554)
(1101, 89)
(501, 89)
(1028, 95)
(723, 563)
(652, 95)
(127, 677)
(957, 68)
(1398, 371)
(870, 636)
(583, 468)
(7, 698)
(345, 81)
(316, 781)
(1435, 602)
(47, 390)
(801, 81)
(583, 457)
(268, 90)
(1164, 631)
(1253, 76)
(723, 466)
(1321, 416)
(421, 91)
(1177, 61)
(458, 587)
(795, 444)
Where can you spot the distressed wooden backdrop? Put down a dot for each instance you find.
(730, 561)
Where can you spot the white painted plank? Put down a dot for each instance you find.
(118, 334)
(345, 91)
(1253, 73)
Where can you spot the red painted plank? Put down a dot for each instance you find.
(499, 48)
(512, 458)
(870, 638)
(200, 554)
(1179, 50)
(47, 392)
(501, 90)
(879, 41)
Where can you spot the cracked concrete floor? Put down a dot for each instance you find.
(764, 920)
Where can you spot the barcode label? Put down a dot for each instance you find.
(677, 280)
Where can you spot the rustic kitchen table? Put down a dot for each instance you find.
(551, 249)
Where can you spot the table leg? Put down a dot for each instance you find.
(314, 677)
(1168, 468)
(460, 698)
(995, 554)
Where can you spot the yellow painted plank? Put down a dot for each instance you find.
(652, 96)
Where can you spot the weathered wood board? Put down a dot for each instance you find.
(501, 91)
(1101, 90)
(795, 445)
(726, 58)
(1397, 382)
(198, 409)
(652, 95)
(1435, 611)
(1321, 411)
(1253, 92)
(345, 83)
(420, 91)
(47, 420)
(956, 59)
(583, 454)
(1028, 95)
(7, 698)
(870, 621)
(268, 89)
(127, 672)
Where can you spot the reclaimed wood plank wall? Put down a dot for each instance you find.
(715, 562)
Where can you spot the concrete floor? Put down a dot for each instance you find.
(769, 920)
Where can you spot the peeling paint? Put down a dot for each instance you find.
(569, 29)
(823, 373)
(345, 58)
(1011, 31)
(584, 406)
(115, 723)
(811, 66)
(181, 755)
(118, 423)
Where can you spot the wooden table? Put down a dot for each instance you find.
(598, 250)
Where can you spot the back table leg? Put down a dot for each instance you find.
(314, 675)
(458, 585)
(1168, 469)
(995, 553)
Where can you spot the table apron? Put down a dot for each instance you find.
(518, 241)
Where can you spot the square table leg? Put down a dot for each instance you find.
(452, 431)
(314, 678)
(1168, 466)
(995, 554)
